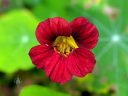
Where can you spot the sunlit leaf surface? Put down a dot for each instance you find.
(17, 36)
(36, 90)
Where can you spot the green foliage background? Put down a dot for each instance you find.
(18, 21)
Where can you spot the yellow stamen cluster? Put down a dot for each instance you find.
(64, 45)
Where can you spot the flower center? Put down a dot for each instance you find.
(64, 45)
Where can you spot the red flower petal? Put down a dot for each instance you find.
(39, 54)
(49, 29)
(57, 69)
(81, 62)
(84, 32)
(51, 62)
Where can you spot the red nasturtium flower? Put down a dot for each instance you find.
(64, 48)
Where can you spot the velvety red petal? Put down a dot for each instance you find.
(49, 29)
(84, 32)
(81, 62)
(56, 69)
(39, 54)
(54, 65)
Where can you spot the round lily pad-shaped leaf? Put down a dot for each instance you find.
(36, 90)
(111, 71)
(17, 36)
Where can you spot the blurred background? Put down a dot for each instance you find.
(18, 21)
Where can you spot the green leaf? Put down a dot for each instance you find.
(52, 8)
(17, 36)
(36, 90)
(111, 71)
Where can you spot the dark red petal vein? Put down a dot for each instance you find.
(49, 29)
(40, 53)
(56, 69)
(84, 32)
(82, 62)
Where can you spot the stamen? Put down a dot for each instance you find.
(64, 45)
